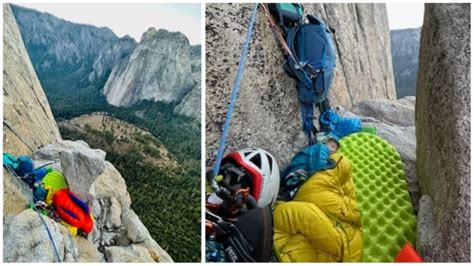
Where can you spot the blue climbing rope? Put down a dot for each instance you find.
(49, 234)
(41, 218)
(235, 91)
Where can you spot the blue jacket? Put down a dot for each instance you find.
(311, 159)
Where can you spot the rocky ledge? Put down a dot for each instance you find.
(118, 234)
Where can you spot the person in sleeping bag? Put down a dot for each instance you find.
(322, 222)
(307, 162)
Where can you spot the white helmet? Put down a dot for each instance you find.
(263, 170)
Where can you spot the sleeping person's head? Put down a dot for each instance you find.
(329, 139)
(332, 145)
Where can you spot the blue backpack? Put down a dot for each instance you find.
(312, 59)
(312, 66)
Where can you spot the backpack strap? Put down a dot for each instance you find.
(280, 16)
(307, 111)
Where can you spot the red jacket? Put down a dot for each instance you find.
(73, 210)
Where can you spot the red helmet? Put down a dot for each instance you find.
(256, 169)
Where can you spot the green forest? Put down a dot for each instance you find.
(166, 199)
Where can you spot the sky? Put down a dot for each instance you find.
(405, 15)
(131, 19)
(135, 19)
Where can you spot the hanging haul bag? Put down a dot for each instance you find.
(312, 66)
(311, 58)
(314, 59)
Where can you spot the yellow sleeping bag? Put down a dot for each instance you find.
(322, 223)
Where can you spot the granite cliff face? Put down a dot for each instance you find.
(28, 122)
(159, 69)
(443, 130)
(267, 112)
(29, 128)
(190, 105)
(405, 45)
(108, 58)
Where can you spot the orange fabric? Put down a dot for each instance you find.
(408, 254)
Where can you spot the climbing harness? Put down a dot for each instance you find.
(33, 206)
(235, 91)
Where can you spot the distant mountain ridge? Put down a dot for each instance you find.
(81, 63)
(57, 47)
(405, 45)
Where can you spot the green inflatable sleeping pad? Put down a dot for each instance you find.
(388, 219)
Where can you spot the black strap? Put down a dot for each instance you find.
(280, 15)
